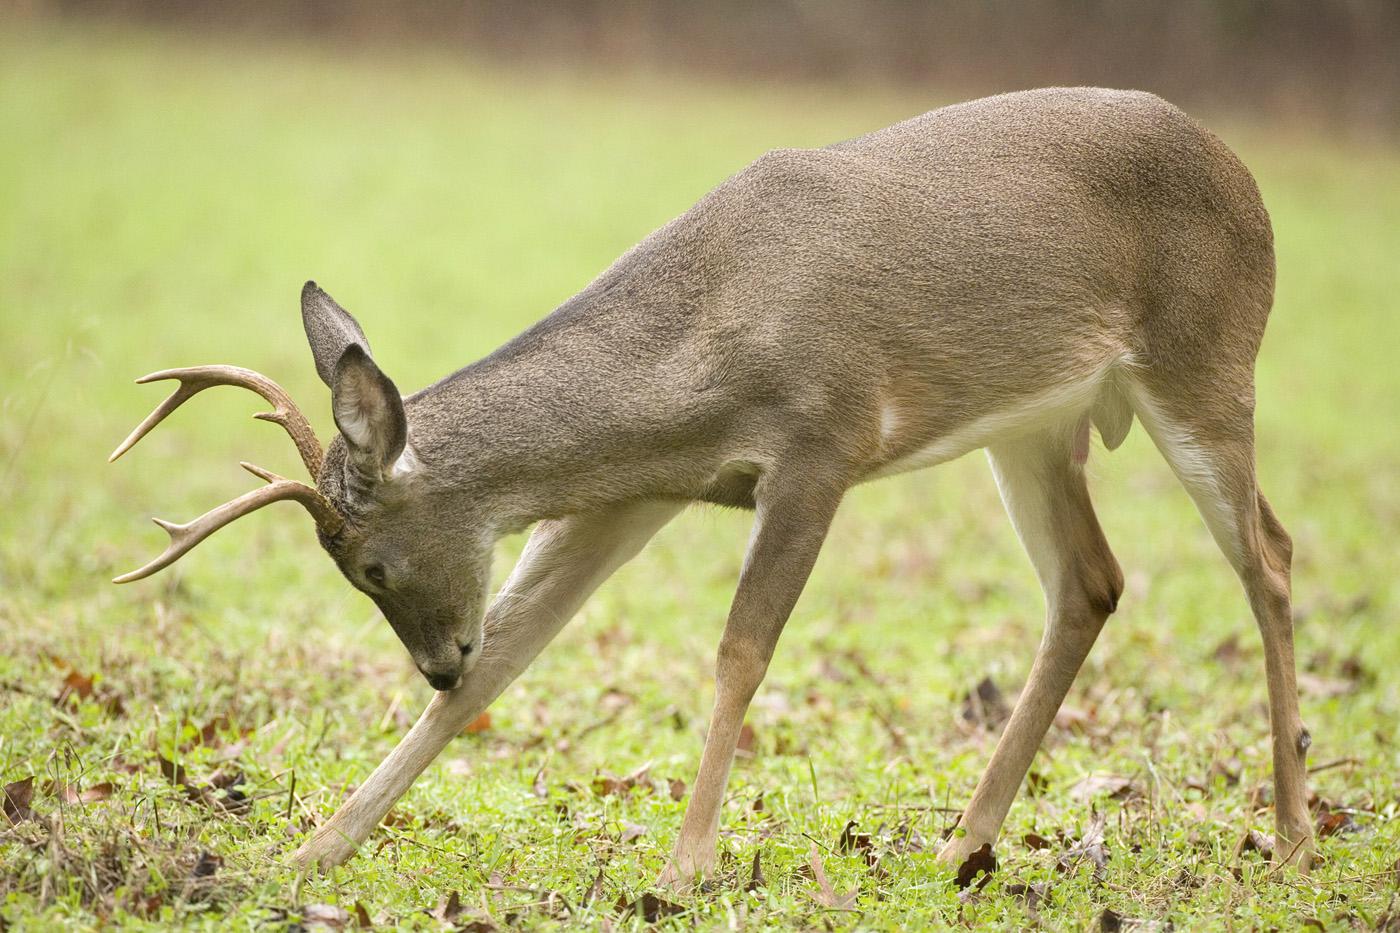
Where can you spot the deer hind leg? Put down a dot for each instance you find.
(1212, 454)
(1042, 485)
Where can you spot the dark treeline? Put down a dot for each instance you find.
(1337, 61)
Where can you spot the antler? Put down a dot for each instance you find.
(196, 379)
(184, 537)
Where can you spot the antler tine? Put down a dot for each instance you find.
(196, 379)
(279, 488)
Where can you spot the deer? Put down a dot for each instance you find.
(1005, 274)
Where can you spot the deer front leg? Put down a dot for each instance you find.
(788, 532)
(564, 561)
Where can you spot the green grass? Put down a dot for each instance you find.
(161, 200)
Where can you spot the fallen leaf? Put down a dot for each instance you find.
(325, 915)
(632, 831)
(1090, 847)
(1336, 823)
(450, 908)
(1255, 841)
(980, 862)
(756, 879)
(1228, 770)
(1114, 786)
(362, 918)
(146, 905)
(595, 890)
(1073, 719)
(614, 700)
(1036, 842)
(73, 794)
(1324, 687)
(74, 685)
(852, 841)
(748, 739)
(1229, 652)
(18, 796)
(825, 895)
(985, 705)
(479, 724)
(1111, 922)
(173, 772)
(207, 865)
(1031, 895)
(677, 788)
(649, 907)
(607, 785)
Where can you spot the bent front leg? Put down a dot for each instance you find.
(789, 528)
(563, 563)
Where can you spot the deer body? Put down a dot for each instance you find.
(996, 274)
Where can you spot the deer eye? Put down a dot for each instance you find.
(374, 573)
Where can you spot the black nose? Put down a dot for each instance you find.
(466, 649)
(443, 681)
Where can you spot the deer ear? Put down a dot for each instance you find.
(369, 413)
(329, 330)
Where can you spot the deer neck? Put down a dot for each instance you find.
(579, 412)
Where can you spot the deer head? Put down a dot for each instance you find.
(375, 503)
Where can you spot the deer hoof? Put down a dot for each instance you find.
(1297, 853)
(684, 874)
(323, 852)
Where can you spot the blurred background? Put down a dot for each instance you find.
(1333, 61)
(171, 171)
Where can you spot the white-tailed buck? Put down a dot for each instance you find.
(1003, 273)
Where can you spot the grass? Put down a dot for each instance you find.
(162, 198)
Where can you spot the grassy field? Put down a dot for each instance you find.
(161, 201)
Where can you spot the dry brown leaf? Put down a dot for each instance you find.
(451, 906)
(756, 879)
(748, 739)
(677, 788)
(649, 907)
(1324, 687)
(1073, 719)
(18, 796)
(207, 865)
(1114, 786)
(1336, 823)
(1255, 841)
(595, 890)
(825, 895)
(1090, 847)
(852, 841)
(1110, 922)
(328, 916)
(985, 706)
(73, 794)
(1031, 895)
(479, 724)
